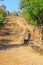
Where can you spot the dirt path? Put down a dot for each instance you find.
(20, 56)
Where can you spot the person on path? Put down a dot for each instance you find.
(27, 37)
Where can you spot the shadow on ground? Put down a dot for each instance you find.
(6, 41)
(4, 47)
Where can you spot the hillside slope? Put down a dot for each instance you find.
(14, 30)
(12, 36)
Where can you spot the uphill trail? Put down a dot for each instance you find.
(19, 55)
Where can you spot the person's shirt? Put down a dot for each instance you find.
(27, 36)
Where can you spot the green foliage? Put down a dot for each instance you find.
(1, 18)
(2, 11)
(32, 10)
(3, 14)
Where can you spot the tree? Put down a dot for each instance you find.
(14, 13)
(4, 7)
(3, 14)
(32, 10)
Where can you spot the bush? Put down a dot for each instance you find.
(3, 14)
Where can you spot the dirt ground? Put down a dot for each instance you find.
(23, 55)
(16, 54)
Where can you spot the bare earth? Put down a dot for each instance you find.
(18, 55)
(23, 55)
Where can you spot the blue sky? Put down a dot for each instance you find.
(11, 5)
